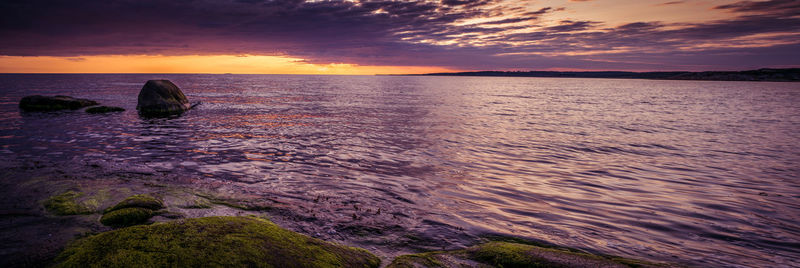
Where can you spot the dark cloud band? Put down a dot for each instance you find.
(482, 34)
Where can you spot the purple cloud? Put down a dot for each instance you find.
(483, 34)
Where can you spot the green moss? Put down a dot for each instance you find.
(210, 242)
(103, 109)
(507, 255)
(228, 204)
(237, 204)
(416, 260)
(639, 263)
(139, 201)
(517, 240)
(134, 210)
(199, 204)
(504, 254)
(169, 214)
(126, 217)
(99, 197)
(66, 204)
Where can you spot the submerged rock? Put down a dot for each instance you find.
(103, 109)
(134, 210)
(161, 98)
(212, 241)
(140, 201)
(126, 217)
(67, 204)
(53, 103)
(506, 254)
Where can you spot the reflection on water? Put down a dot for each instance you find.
(705, 171)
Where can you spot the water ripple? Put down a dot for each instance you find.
(700, 172)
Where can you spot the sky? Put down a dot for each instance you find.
(395, 37)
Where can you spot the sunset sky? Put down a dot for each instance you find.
(380, 37)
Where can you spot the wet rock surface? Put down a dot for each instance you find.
(505, 254)
(134, 210)
(104, 109)
(211, 241)
(401, 170)
(138, 201)
(67, 204)
(129, 195)
(53, 103)
(161, 98)
(126, 217)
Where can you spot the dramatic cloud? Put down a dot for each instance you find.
(461, 34)
(787, 7)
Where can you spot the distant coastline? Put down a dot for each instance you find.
(769, 75)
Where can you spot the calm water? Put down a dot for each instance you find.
(705, 171)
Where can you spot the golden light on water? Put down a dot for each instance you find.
(236, 64)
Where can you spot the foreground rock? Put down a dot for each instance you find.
(67, 204)
(161, 98)
(212, 241)
(104, 109)
(53, 103)
(140, 201)
(505, 254)
(134, 210)
(126, 217)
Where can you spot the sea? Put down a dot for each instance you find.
(700, 173)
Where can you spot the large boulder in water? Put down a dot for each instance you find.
(161, 97)
(53, 103)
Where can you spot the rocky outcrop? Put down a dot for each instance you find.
(104, 109)
(506, 254)
(211, 241)
(53, 103)
(67, 203)
(161, 98)
(133, 210)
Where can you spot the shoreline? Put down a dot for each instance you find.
(41, 235)
(760, 75)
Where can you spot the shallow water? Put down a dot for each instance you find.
(703, 173)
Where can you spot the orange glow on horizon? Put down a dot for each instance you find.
(235, 64)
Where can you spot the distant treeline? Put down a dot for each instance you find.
(776, 75)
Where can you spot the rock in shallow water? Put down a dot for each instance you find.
(104, 109)
(139, 200)
(67, 204)
(211, 242)
(53, 103)
(126, 217)
(161, 98)
(505, 254)
(133, 210)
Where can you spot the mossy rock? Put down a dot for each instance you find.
(428, 259)
(508, 255)
(66, 204)
(126, 217)
(138, 201)
(103, 109)
(210, 242)
(199, 204)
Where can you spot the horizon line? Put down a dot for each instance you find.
(412, 74)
